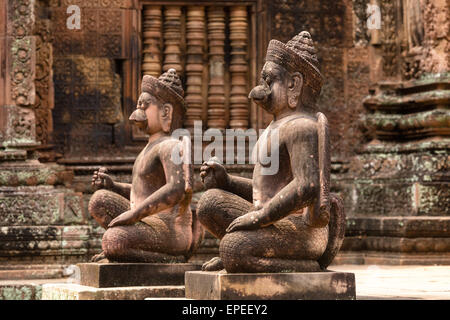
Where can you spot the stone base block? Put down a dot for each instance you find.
(70, 291)
(103, 275)
(270, 286)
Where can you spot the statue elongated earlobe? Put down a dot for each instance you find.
(295, 89)
(166, 114)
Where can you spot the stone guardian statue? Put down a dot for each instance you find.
(287, 221)
(150, 220)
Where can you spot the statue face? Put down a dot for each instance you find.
(272, 94)
(146, 115)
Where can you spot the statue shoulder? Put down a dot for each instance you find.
(298, 128)
(169, 143)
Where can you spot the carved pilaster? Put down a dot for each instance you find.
(238, 67)
(389, 38)
(195, 35)
(436, 29)
(22, 17)
(44, 82)
(17, 126)
(361, 34)
(216, 92)
(172, 39)
(152, 32)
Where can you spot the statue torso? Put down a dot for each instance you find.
(148, 173)
(265, 186)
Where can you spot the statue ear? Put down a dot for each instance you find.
(165, 116)
(295, 89)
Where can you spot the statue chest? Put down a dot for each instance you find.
(148, 170)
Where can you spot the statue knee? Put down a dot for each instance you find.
(115, 243)
(97, 202)
(235, 249)
(96, 207)
(207, 205)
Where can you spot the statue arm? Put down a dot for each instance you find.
(304, 189)
(240, 186)
(123, 189)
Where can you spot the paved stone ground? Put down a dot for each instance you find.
(399, 282)
(372, 282)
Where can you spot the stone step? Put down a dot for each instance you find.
(23, 289)
(70, 291)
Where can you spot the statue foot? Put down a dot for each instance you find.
(99, 257)
(215, 264)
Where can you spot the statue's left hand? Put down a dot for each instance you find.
(126, 218)
(249, 221)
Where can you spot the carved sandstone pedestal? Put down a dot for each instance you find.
(274, 286)
(123, 281)
(102, 275)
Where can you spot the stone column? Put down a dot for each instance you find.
(216, 92)
(239, 68)
(151, 33)
(34, 214)
(18, 124)
(172, 39)
(195, 35)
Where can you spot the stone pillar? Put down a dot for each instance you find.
(397, 189)
(172, 39)
(34, 214)
(195, 35)
(152, 34)
(216, 92)
(239, 68)
(18, 125)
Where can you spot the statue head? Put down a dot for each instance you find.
(290, 78)
(160, 106)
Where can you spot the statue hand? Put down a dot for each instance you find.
(101, 180)
(249, 221)
(126, 218)
(214, 174)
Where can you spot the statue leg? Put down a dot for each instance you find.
(105, 205)
(140, 243)
(289, 245)
(216, 209)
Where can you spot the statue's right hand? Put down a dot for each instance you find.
(214, 174)
(101, 180)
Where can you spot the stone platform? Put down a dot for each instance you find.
(123, 281)
(71, 291)
(104, 275)
(270, 286)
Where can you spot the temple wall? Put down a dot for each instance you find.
(66, 95)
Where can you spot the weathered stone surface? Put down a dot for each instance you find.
(391, 258)
(134, 274)
(20, 292)
(274, 286)
(65, 291)
(46, 244)
(31, 271)
(397, 244)
(423, 226)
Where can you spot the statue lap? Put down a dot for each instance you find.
(287, 245)
(141, 242)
